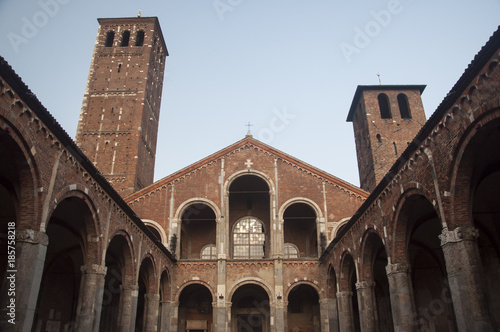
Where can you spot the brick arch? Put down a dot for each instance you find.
(321, 293)
(304, 200)
(462, 171)
(398, 225)
(347, 268)
(263, 176)
(151, 279)
(331, 284)
(194, 282)
(338, 225)
(251, 281)
(196, 200)
(92, 225)
(25, 188)
(159, 228)
(128, 270)
(367, 254)
(165, 284)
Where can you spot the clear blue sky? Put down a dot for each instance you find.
(234, 61)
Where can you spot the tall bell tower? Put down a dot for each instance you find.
(386, 118)
(118, 123)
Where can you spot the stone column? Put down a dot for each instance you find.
(333, 315)
(323, 315)
(88, 312)
(165, 316)
(463, 266)
(367, 306)
(31, 247)
(128, 308)
(174, 315)
(346, 318)
(403, 308)
(152, 302)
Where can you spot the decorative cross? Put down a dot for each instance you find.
(249, 125)
(249, 163)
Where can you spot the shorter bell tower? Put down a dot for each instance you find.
(386, 118)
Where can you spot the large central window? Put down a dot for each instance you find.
(249, 239)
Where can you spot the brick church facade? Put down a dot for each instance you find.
(248, 238)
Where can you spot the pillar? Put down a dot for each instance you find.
(333, 315)
(323, 315)
(367, 306)
(463, 266)
(174, 315)
(128, 308)
(88, 312)
(165, 316)
(31, 247)
(346, 318)
(151, 312)
(403, 308)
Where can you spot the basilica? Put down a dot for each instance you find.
(248, 238)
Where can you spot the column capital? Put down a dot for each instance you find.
(344, 294)
(464, 233)
(32, 236)
(365, 284)
(129, 287)
(397, 268)
(94, 269)
(152, 296)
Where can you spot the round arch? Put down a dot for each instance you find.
(338, 225)
(304, 282)
(128, 254)
(304, 200)
(194, 282)
(196, 200)
(251, 280)
(259, 174)
(158, 228)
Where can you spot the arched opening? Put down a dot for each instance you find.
(147, 305)
(300, 229)
(110, 37)
(125, 38)
(155, 232)
(60, 286)
(348, 306)
(139, 38)
(195, 309)
(164, 308)
(250, 309)
(303, 309)
(428, 272)
(384, 106)
(198, 229)
(119, 273)
(249, 207)
(480, 168)
(374, 269)
(404, 106)
(333, 317)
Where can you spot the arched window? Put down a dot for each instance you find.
(404, 107)
(208, 252)
(110, 36)
(139, 38)
(291, 250)
(385, 108)
(248, 239)
(125, 38)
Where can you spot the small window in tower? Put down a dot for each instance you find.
(125, 38)
(395, 148)
(139, 39)
(404, 106)
(110, 36)
(379, 138)
(385, 108)
(119, 67)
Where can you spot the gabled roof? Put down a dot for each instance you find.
(248, 141)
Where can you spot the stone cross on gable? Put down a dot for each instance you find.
(249, 163)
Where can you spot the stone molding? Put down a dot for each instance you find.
(397, 268)
(365, 284)
(467, 233)
(344, 294)
(32, 236)
(94, 269)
